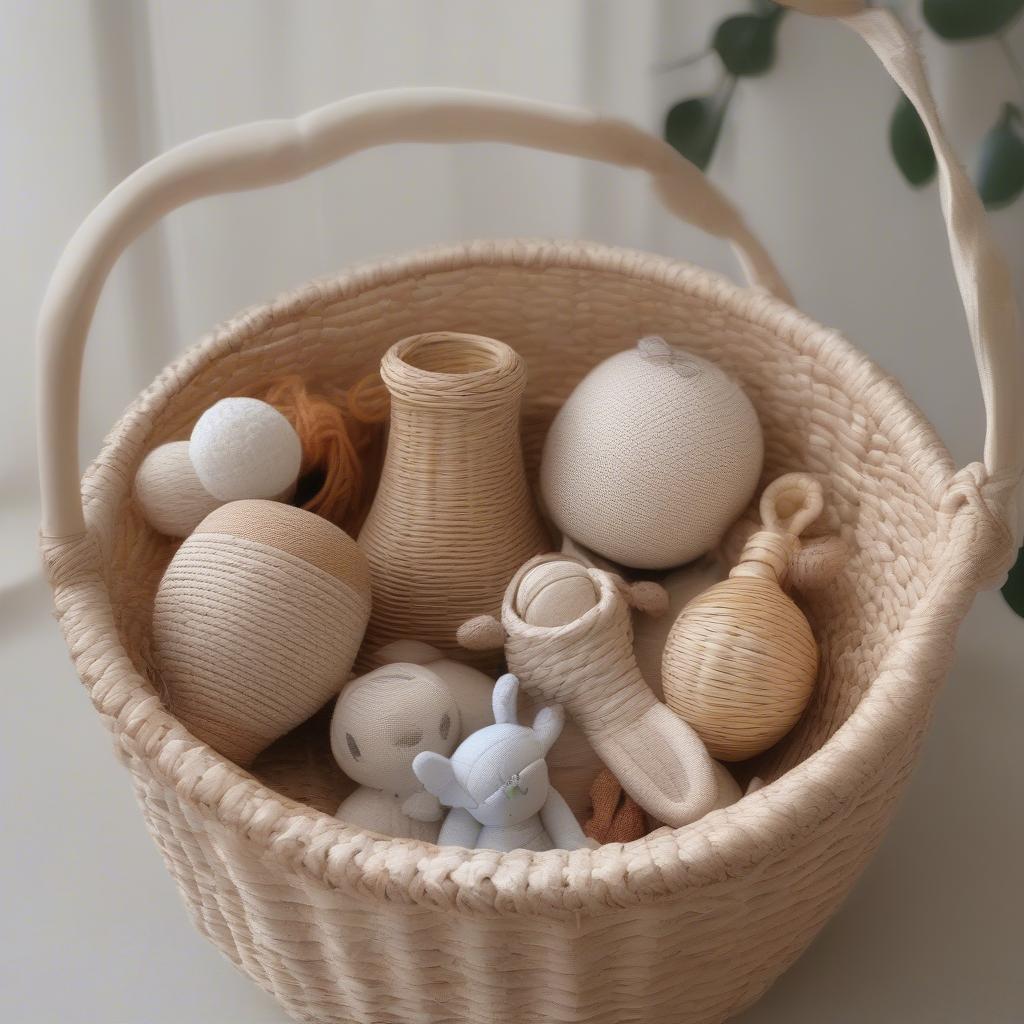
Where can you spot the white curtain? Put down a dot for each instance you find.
(93, 89)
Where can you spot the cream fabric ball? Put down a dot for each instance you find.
(652, 457)
(170, 494)
(245, 448)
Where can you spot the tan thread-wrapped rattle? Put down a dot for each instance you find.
(256, 623)
(740, 661)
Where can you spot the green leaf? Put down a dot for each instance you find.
(1000, 173)
(746, 43)
(1013, 588)
(969, 19)
(910, 145)
(692, 127)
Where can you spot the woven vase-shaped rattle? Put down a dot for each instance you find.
(740, 661)
(257, 622)
(453, 518)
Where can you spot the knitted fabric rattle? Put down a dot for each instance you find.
(588, 666)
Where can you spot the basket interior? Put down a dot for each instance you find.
(565, 308)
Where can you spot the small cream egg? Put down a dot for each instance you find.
(169, 492)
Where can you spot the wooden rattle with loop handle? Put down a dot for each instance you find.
(740, 661)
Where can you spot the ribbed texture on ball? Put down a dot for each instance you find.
(171, 496)
(650, 632)
(652, 458)
(739, 666)
(555, 593)
(251, 639)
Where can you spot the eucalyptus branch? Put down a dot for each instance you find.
(1016, 68)
(682, 62)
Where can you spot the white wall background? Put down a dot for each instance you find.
(89, 89)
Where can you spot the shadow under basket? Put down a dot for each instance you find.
(685, 926)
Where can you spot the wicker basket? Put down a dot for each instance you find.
(685, 926)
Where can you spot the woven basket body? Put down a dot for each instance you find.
(344, 927)
(686, 926)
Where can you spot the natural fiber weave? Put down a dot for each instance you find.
(453, 517)
(685, 926)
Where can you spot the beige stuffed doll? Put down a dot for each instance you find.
(470, 687)
(381, 722)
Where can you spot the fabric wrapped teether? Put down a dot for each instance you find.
(588, 666)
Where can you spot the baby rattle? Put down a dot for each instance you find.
(740, 661)
(586, 663)
(497, 785)
(256, 623)
(382, 722)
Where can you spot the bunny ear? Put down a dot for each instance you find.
(503, 700)
(437, 774)
(547, 726)
(484, 633)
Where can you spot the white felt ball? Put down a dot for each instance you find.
(245, 448)
(167, 489)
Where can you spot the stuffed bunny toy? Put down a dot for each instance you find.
(496, 783)
(381, 722)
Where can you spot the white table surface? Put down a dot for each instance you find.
(94, 931)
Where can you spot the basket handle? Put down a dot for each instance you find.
(265, 153)
(268, 152)
(982, 273)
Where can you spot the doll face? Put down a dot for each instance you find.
(384, 719)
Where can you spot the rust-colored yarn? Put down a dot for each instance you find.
(616, 817)
(342, 444)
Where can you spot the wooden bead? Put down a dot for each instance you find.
(169, 492)
(555, 593)
(257, 622)
(739, 665)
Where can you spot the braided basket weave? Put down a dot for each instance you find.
(684, 926)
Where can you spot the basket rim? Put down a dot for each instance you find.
(724, 843)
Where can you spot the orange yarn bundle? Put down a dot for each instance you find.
(617, 817)
(342, 445)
